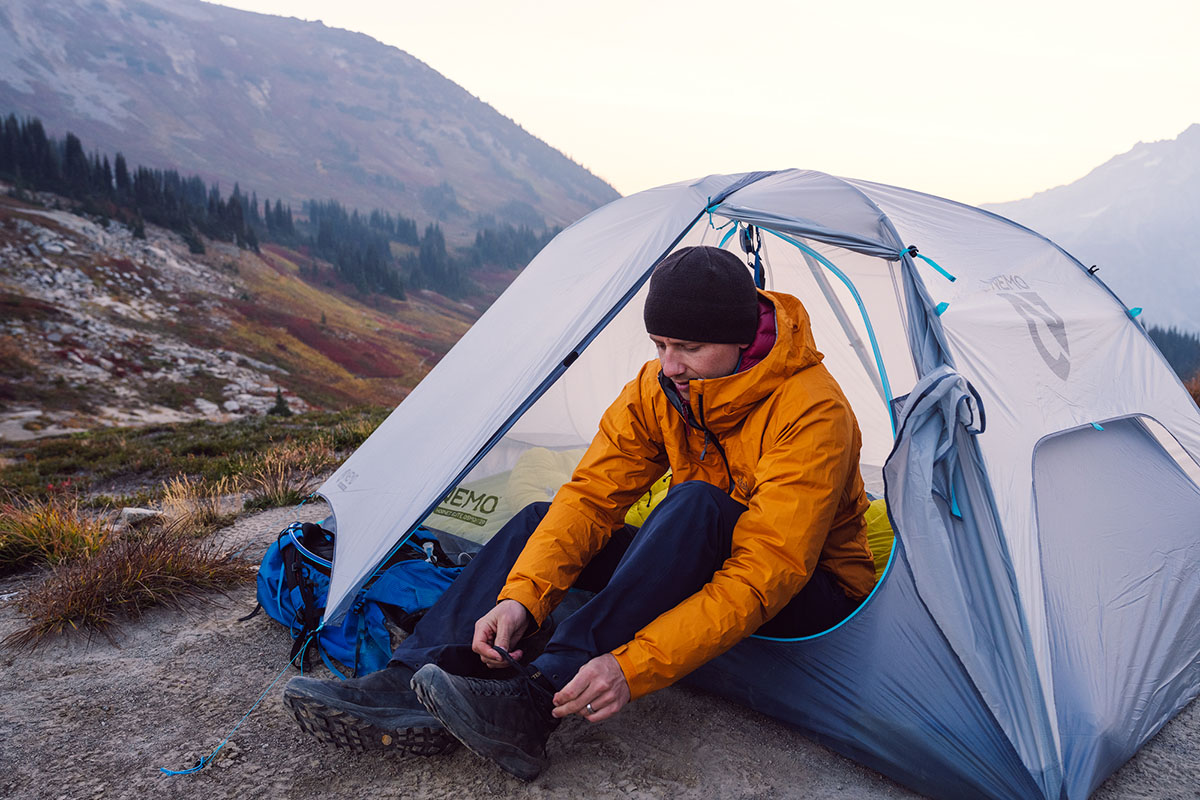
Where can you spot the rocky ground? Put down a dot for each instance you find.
(96, 719)
(92, 308)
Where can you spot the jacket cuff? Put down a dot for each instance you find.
(525, 594)
(640, 682)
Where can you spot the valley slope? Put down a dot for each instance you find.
(98, 327)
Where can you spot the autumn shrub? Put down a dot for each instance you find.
(286, 474)
(14, 360)
(1193, 386)
(122, 579)
(47, 531)
(195, 503)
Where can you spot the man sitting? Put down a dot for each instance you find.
(762, 531)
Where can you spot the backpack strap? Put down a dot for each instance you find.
(296, 577)
(332, 668)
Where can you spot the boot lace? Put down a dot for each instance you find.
(526, 683)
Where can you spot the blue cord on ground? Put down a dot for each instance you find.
(206, 760)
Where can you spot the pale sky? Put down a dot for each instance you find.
(977, 101)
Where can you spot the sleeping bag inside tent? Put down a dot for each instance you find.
(1035, 622)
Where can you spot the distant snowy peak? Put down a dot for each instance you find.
(1144, 165)
(1137, 216)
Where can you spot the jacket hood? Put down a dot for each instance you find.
(720, 403)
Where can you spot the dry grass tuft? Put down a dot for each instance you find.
(286, 474)
(123, 579)
(47, 532)
(196, 504)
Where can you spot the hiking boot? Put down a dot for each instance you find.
(375, 712)
(505, 720)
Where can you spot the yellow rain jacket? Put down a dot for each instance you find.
(792, 446)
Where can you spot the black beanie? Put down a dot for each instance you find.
(702, 294)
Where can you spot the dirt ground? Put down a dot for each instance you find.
(84, 719)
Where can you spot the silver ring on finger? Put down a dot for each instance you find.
(589, 709)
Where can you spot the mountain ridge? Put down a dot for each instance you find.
(1136, 217)
(286, 107)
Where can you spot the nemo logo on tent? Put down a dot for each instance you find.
(1040, 318)
(465, 498)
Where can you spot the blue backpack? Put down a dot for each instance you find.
(293, 584)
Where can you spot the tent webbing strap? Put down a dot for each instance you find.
(912, 250)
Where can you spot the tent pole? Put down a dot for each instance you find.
(847, 326)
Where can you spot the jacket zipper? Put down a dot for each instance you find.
(720, 449)
(677, 403)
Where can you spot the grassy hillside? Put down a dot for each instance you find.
(100, 327)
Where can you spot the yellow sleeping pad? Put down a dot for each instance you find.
(879, 535)
(539, 472)
(641, 509)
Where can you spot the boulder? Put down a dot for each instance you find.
(206, 407)
(137, 517)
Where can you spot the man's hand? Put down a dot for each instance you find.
(600, 683)
(503, 626)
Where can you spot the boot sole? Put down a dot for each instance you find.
(437, 695)
(344, 730)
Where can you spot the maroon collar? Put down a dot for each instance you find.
(764, 337)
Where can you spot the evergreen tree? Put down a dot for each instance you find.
(76, 173)
(163, 197)
(122, 178)
(508, 247)
(10, 143)
(281, 407)
(106, 178)
(38, 163)
(1181, 349)
(435, 269)
(356, 244)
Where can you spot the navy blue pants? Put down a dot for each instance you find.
(638, 575)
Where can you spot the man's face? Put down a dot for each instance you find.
(683, 361)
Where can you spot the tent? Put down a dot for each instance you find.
(1037, 620)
